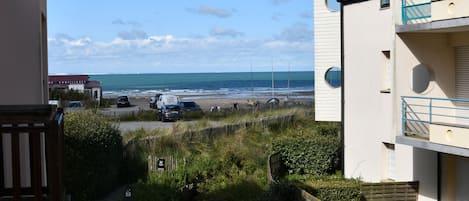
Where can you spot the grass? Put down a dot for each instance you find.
(210, 120)
(141, 115)
(228, 167)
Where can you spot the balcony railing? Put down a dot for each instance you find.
(415, 11)
(418, 113)
(31, 152)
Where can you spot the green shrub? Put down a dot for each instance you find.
(311, 155)
(93, 155)
(328, 129)
(67, 95)
(329, 188)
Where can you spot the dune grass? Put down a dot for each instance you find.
(227, 167)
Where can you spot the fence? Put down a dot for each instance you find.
(31, 151)
(404, 191)
(419, 112)
(415, 11)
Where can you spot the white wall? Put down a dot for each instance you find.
(326, 55)
(368, 30)
(23, 77)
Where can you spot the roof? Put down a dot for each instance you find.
(93, 84)
(68, 78)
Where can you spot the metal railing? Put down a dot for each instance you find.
(419, 112)
(415, 11)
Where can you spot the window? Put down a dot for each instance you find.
(385, 3)
(387, 72)
(333, 77)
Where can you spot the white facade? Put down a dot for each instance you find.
(368, 102)
(327, 99)
(383, 54)
(77, 87)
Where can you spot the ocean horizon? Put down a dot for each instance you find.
(231, 84)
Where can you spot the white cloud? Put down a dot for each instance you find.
(214, 11)
(219, 31)
(128, 22)
(297, 32)
(167, 53)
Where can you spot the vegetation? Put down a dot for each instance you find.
(66, 95)
(228, 167)
(216, 167)
(329, 188)
(309, 152)
(141, 115)
(93, 155)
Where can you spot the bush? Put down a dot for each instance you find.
(328, 129)
(311, 155)
(66, 95)
(93, 155)
(330, 188)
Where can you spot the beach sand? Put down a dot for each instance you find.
(223, 102)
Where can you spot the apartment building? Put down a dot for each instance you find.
(405, 67)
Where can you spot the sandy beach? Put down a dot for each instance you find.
(224, 102)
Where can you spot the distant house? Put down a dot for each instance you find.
(79, 83)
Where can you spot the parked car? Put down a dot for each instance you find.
(190, 106)
(153, 101)
(167, 100)
(73, 105)
(170, 112)
(123, 101)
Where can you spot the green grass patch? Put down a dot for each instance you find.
(141, 115)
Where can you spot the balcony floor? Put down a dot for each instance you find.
(425, 144)
(450, 25)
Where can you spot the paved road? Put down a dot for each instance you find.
(147, 125)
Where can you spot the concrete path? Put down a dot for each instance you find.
(147, 125)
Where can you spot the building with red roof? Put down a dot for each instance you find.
(80, 83)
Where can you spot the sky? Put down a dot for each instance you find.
(177, 36)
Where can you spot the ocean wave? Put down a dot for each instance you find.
(222, 92)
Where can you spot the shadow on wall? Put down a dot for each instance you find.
(435, 63)
(425, 171)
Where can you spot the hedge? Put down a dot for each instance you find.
(309, 155)
(329, 188)
(92, 155)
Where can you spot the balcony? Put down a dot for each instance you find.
(416, 12)
(426, 15)
(31, 152)
(439, 124)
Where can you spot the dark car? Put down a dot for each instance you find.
(123, 101)
(190, 106)
(153, 101)
(170, 112)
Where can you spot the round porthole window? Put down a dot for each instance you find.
(333, 5)
(421, 77)
(333, 77)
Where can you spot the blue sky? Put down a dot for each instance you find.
(158, 36)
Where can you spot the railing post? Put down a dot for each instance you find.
(430, 112)
(403, 12)
(403, 116)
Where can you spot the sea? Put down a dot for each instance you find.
(197, 85)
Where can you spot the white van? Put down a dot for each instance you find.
(167, 100)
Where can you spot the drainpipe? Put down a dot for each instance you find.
(342, 88)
